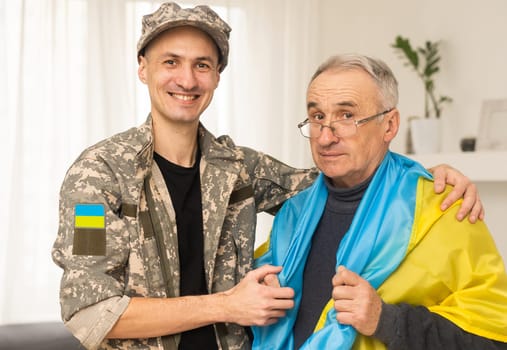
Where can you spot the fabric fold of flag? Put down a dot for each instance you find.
(369, 248)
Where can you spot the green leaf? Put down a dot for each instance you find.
(403, 45)
(444, 99)
(428, 57)
(429, 71)
(432, 61)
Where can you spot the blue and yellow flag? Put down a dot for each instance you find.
(397, 226)
(89, 216)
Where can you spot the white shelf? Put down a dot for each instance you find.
(481, 166)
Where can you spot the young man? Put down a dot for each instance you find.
(409, 276)
(157, 224)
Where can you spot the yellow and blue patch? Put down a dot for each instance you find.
(89, 229)
(89, 216)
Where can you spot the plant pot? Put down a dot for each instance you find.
(426, 135)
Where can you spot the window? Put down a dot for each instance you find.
(70, 79)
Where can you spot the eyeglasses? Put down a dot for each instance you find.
(339, 128)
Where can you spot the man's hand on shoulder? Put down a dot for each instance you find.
(443, 175)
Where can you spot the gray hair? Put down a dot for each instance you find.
(377, 69)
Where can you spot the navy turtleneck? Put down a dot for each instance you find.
(340, 208)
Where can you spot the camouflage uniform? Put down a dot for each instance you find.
(136, 253)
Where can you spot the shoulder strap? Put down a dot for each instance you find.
(127, 209)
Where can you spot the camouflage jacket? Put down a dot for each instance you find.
(112, 248)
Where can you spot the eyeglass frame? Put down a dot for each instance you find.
(356, 123)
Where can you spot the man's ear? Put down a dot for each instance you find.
(141, 70)
(392, 125)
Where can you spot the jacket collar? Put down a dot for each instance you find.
(219, 152)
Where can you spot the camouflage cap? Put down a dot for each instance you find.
(171, 15)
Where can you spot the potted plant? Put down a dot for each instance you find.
(424, 60)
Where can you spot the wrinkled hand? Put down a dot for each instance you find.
(257, 299)
(356, 302)
(463, 187)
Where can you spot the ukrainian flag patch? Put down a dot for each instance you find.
(89, 229)
(89, 216)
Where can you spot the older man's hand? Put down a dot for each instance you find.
(356, 301)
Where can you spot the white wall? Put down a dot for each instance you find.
(474, 51)
(474, 65)
(494, 195)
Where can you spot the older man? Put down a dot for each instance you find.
(366, 248)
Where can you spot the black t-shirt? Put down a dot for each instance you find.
(184, 186)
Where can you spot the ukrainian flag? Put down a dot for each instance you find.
(410, 255)
(89, 216)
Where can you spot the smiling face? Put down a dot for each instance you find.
(181, 70)
(349, 93)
